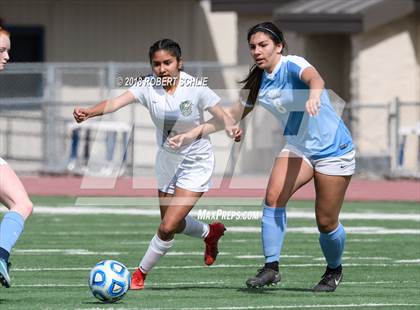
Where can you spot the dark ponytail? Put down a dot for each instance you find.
(253, 81)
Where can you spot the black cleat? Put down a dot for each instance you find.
(330, 280)
(265, 276)
(4, 273)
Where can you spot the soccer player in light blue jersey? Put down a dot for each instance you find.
(318, 146)
(12, 193)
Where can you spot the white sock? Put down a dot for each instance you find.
(157, 248)
(195, 228)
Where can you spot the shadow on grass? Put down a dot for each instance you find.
(296, 289)
(272, 290)
(257, 291)
(101, 303)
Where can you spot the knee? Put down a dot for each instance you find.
(23, 207)
(274, 199)
(166, 230)
(29, 209)
(326, 224)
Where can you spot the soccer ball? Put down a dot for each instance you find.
(109, 280)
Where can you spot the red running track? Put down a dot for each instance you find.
(359, 190)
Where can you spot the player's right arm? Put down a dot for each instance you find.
(237, 112)
(104, 107)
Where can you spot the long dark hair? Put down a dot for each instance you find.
(168, 45)
(253, 81)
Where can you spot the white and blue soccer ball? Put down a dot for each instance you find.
(109, 280)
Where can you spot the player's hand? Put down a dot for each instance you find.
(234, 132)
(313, 105)
(80, 114)
(179, 140)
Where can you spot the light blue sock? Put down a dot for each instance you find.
(332, 245)
(274, 225)
(10, 229)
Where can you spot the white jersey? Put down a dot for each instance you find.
(178, 112)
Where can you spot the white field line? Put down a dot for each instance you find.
(148, 284)
(87, 252)
(261, 256)
(362, 230)
(318, 306)
(49, 285)
(71, 210)
(175, 253)
(219, 266)
(377, 282)
(234, 241)
(134, 242)
(404, 261)
(64, 252)
(347, 258)
(99, 233)
(205, 283)
(362, 240)
(240, 240)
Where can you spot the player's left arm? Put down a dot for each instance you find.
(316, 85)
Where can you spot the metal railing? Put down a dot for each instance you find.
(36, 103)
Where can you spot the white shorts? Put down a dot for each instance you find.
(341, 165)
(190, 172)
(2, 161)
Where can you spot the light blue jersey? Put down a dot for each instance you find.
(284, 94)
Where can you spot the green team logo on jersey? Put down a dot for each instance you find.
(186, 108)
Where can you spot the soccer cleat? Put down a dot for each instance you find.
(4, 273)
(265, 276)
(216, 231)
(137, 280)
(330, 280)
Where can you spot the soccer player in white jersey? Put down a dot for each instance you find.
(318, 146)
(175, 106)
(12, 193)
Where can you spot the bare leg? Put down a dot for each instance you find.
(15, 198)
(289, 173)
(12, 193)
(330, 192)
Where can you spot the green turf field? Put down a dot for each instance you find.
(51, 261)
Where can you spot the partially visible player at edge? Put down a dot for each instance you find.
(12, 193)
(183, 176)
(319, 147)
